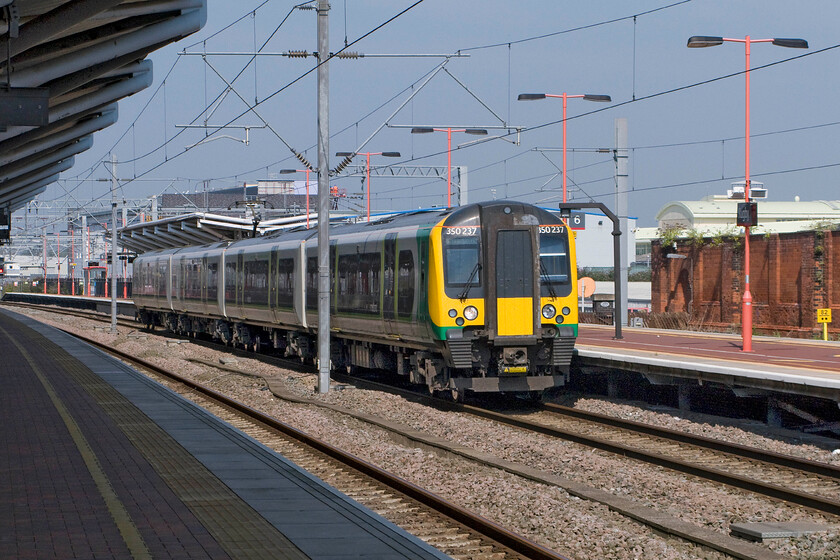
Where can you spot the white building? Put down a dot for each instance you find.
(716, 214)
(594, 243)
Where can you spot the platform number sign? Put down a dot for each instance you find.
(824, 315)
(575, 220)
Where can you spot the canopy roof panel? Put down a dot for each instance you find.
(71, 61)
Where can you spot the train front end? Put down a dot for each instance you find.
(503, 297)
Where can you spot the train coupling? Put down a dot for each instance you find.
(514, 360)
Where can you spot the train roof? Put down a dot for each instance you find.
(411, 219)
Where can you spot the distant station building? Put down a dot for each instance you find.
(281, 198)
(697, 263)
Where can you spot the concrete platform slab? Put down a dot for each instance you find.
(762, 531)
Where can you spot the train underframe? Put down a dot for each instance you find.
(466, 362)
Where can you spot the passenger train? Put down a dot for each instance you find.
(477, 298)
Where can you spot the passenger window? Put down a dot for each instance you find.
(285, 283)
(256, 281)
(405, 285)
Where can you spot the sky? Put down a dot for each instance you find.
(684, 107)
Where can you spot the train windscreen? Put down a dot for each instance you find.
(462, 262)
(555, 277)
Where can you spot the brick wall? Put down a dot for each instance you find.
(791, 275)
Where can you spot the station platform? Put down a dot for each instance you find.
(98, 461)
(125, 307)
(787, 365)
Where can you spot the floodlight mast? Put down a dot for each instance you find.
(700, 41)
(349, 156)
(449, 131)
(565, 96)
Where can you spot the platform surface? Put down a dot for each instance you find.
(97, 461)
(776, 361)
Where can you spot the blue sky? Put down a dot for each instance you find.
(685, 143)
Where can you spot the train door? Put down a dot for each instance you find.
(203, 282)
(389, 281)
(514, 283)
(511, 296)
(273, 277)
(240, 283)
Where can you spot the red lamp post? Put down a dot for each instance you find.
(45, 262)
(699, 41)
(288, 171)
(350, 155)
(58, 260)
(564, 96)
(449, 131)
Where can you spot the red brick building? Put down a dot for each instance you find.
(791, 276)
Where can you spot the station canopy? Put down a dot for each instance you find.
(71, 61)
(200, 228)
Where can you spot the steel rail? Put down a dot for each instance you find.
(765, 456)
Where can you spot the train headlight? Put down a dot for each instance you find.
(470, 313)
(453, 313)
(566, 311)
(548, 311)
(559, 319)
(459, 321)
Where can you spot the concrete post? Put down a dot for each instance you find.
(621, 156)
(463, 198)
(684, 397)
(114, 260)
(774, 413)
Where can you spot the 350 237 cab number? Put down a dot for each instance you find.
(462, 230)
(552, 229)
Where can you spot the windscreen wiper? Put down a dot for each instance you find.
(469, 285)
(547, 280)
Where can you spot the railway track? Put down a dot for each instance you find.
(451, 529)
(791, 479)
(798, 481)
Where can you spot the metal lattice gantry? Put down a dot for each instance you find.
(459, 178)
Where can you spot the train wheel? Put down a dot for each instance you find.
(535, 397)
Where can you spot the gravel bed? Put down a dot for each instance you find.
(549, 515)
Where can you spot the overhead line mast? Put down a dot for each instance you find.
(323, 198)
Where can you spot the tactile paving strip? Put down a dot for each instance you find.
(237, 528)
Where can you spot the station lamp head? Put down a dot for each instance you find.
(287, 171)
(476, 131)
(345, 154)
(530, 96)
(791, 43)
(391, 154)
(596, 97)
(422, 130)
(700, 41)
